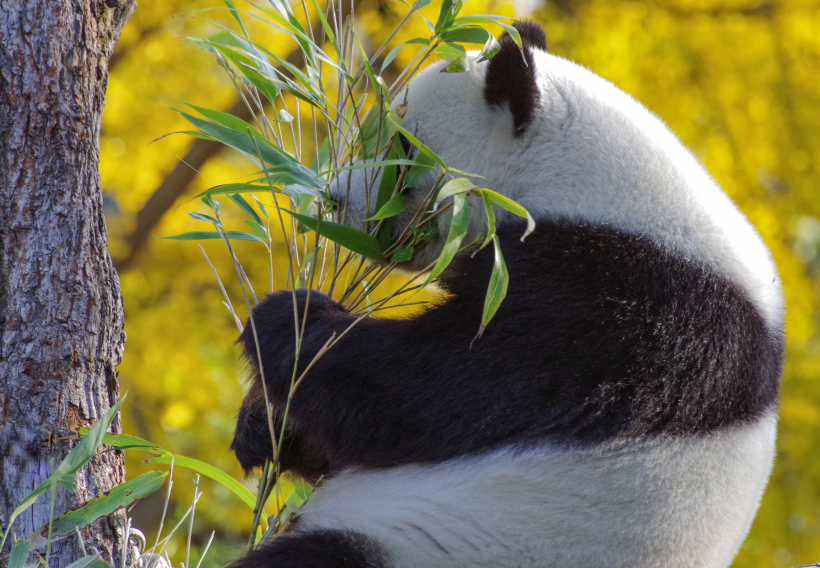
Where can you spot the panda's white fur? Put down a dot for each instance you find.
(592, 155)
(664, 503)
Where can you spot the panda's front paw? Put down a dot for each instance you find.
(273, 330)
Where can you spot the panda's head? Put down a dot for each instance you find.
(567, 144)
(476, 121)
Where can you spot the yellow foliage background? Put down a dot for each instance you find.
(736, 79)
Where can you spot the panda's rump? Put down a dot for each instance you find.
(672, 502)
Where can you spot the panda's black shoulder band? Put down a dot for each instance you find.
(510, 78)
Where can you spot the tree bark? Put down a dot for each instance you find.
(61, 318)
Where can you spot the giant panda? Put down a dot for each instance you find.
(619, 411)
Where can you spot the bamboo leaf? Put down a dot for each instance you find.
(104, 504)
(18, 554)
(350, 238)
(422, 148)
(490, 48)
(245, 206)
(402, 255)
(395, 51)
(71, 464)
(466, 34)
(453, 187)
(459, 65)
(257, 229)
(486, 19)
(393, 207)
(450, 51)
(458, 228)
(90, 561)
(512, 207)
(497, 290)
(230, 188)
(127, 442)
(209, 235)
(447, 15)
(212, 472)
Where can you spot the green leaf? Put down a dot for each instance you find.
(422, 148)
(257, 229)
(381, 164)
(105, 504)
(450, 51)
(230, 188)
(387, 183)
(460, 65)
(206, 218)
(350, 238)
(393, 207)
(453, 187)
(458, 228)
(208, 235)
(497, 289)
(245, 206)
(242, 141)
(485, 19)
(402, 255)
(447, 15)
(212, 472)
(127, 442)
(18, 554)
(71, 464)
(488, 209)
(466, 34)
(90, 561)
(395, 51)
(376, 135)
(490, 48)
(235, 14)
(417, 173)
(512, 207)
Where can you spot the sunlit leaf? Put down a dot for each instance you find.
(450, 51)
(466, 34)
(211, 472)
(454, 186)
(512, 207)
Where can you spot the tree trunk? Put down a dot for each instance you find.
(61, 322)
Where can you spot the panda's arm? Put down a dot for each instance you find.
(391, 390)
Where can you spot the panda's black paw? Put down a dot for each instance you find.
(273, 328)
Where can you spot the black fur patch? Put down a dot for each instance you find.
(509, 80)
(316, 549)
(602, 336)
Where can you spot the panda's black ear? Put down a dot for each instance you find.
(512, 81)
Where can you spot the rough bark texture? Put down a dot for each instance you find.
(61, 322)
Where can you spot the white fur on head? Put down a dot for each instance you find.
(593, 154)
